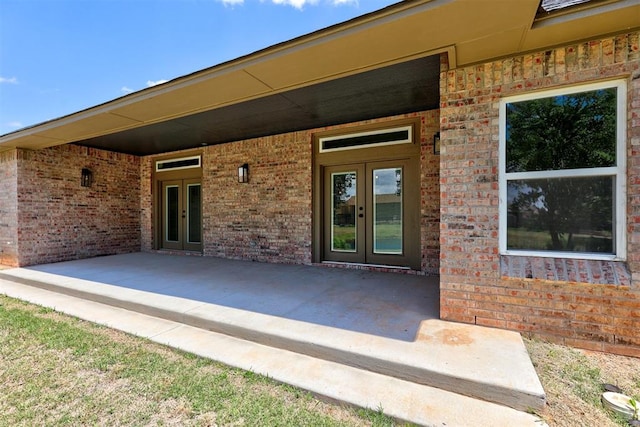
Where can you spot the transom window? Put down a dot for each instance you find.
(176, 164)
(393, 136)
(562, 172)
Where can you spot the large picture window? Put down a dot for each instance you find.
(562, 172)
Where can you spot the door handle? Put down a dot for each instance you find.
(361, 215)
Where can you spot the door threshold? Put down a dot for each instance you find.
(178, 252)
(363, 265)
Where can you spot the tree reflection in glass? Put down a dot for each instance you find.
(557, 199)
(344, 200)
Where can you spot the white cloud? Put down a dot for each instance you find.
(15, 125)
(157, 82)
(150, 83)
(11, 80)
(298, 4)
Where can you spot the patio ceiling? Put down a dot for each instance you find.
(401, 88)
(380, 64)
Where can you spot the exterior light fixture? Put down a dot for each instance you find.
(436, 143)
(243, 173)
(86, 179)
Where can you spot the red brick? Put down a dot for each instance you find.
(592, 318)
(468, 173)
(8, 208)
(585, 344)
(60, 220)
(494, 323)
(624, 350)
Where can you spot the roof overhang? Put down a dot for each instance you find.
(381, 64)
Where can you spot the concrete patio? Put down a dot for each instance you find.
(365, 338)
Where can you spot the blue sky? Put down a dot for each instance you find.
(61, 56)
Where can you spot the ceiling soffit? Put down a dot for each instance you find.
(401, 88)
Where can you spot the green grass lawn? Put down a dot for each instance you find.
(344, 237)
(60, 371)
(520, 238)
(56, 370)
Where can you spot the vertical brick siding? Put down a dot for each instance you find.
(60, 220)
(8, 208)
(270, 218)
(600, 317)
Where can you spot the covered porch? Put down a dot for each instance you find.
(367, 338)
(385, 305)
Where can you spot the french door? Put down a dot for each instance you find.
(181, 223)
(371, 213)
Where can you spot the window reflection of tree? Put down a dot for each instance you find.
(575, 131)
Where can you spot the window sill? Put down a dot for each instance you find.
(604, 272)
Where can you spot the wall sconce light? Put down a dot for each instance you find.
(86, 178)
(243, 173)
(436, 143)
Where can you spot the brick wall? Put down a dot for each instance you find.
(8, 208)
(270, 218)
(146, 204)
(60, 220)
(430, 195)
(600, 317)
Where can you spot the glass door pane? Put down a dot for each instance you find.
(172, 213)
(181, 202)
(343, 212)
(369, 214)
(194, 223)
(387, 211)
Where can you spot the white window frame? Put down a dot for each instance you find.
(618, 172)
